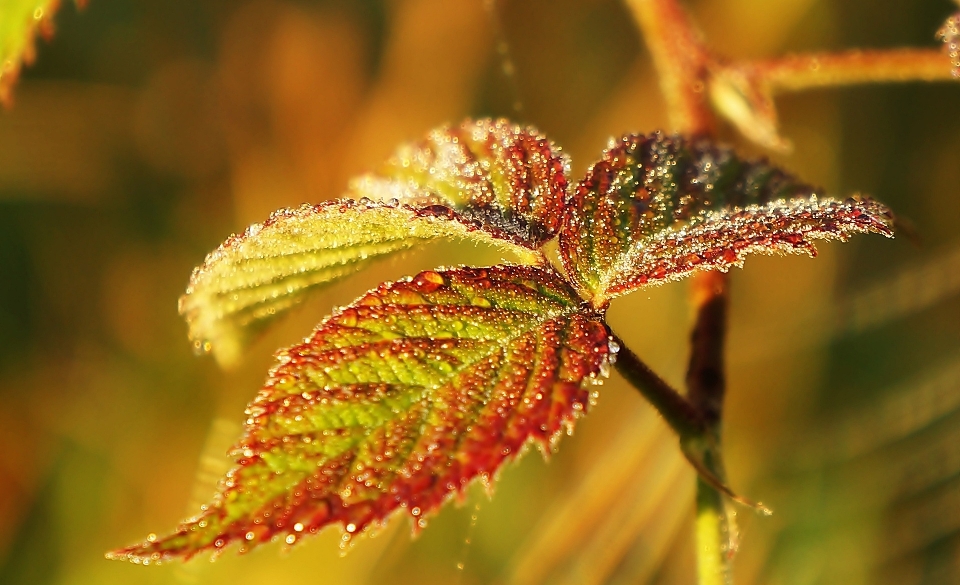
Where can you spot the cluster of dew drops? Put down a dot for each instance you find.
(950, 34)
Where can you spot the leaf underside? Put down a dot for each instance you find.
(399, 401)
(655, 208)
(487, 181)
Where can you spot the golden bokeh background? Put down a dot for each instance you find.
(149, 131)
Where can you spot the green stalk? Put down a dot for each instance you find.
(715, 531)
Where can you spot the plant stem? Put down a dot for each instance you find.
(706, 387)
(706, 381)
(681, 58)
(743, 91)
(682, 416)
(806, 71)
(682, 62)
(713, 535)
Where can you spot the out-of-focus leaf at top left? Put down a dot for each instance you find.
(950, 35)
(20, 21)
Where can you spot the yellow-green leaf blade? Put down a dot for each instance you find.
(399, 401)
(487, 181)
(256, 276)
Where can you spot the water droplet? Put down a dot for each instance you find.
(613, 346)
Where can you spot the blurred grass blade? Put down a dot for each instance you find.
(399, 401)
(911, 289)
(487, 181)
(20, 22)
(657, 208)
(586, 536)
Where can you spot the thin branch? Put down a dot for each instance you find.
(680, 57)
(676, 410)
(806, 71)
(716, 529)
(706, 381)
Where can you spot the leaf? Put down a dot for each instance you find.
(656, 208)
(503, 178)
(950, 35)
(20, 21)
(746, 101)
(486, 181)
(399, 401)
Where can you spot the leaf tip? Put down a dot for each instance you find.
(23, 23)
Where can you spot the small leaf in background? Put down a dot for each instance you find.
(20, 21)
(655, 208)
(399, 401)
(950, 35)
(487, 181)
(746, 101)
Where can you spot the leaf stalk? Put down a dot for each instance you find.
(678, 412)
(815, 70)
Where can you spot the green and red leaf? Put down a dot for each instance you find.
(502, 178)
(398, 401)
(656, 208)
(486, 181)
(722, 239)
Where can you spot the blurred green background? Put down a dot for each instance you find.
(149, 131)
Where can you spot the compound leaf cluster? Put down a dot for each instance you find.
(401, 399)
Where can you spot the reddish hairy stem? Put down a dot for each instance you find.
(716, 530)
(706, 381)
(681, 58)
(682, 416)
(805, 71)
